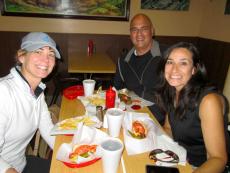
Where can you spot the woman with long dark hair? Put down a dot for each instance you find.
(195, 111)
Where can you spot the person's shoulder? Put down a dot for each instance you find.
(211, 100)
(158, 57)
(122, 58)
(4, 87)
(124, 52)
(204, 88)
(211, 96)
(212, 105)
(5, 83)
(127, 54)
(6, 94)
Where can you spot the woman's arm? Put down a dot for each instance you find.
(212, 124)
(167, 127)
(5, 108)
(11, 170)
(46, 124)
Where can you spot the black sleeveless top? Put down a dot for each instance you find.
(187, 132)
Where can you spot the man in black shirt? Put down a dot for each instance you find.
(137, 70)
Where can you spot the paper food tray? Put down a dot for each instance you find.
(92, 121)
(156, 138)
(84, 135)
(134, 145)
(137, 102)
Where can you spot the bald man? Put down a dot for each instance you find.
(137, 70)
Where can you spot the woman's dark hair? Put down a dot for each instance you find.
(188, 97)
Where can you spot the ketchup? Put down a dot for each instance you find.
(90, 47)
(110, 98)
(136, 107)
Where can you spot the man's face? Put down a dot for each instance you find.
(141, 32)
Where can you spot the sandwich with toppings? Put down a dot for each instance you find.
(85, 151)
(125, 98)
(139, 131)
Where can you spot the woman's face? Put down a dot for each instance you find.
(38, 64)
(179, 68)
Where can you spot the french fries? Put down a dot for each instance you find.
(96, 100)
(72, 123)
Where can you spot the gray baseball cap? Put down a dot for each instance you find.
(37, 40)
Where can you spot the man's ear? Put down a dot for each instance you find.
(194, 70)
(153, 31)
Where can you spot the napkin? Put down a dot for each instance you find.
(137, 146)
(83, 135)
(144, 102)
(136, 100)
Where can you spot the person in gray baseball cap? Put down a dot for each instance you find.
(23, 109)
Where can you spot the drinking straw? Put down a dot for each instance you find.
(123, 165)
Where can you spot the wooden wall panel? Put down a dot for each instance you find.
(216, 57)
(215, 54)
(9, 44)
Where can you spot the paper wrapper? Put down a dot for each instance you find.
(89, 107)
(136, 101)
(143, 101)
(155, 139)
(137, 146)
(84, 135)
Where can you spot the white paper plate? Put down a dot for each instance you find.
(58, 131)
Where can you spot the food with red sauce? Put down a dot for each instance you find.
(136, 107)
(139, 130)
(83, 151)
(125, 98)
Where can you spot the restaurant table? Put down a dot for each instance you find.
(80, 62)
(128, 164)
